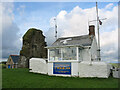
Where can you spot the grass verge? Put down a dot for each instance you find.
(22, 78)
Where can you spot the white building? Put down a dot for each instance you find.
(75, 56)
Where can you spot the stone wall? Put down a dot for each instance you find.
(33, 46)
(94, 69)
(23, 62)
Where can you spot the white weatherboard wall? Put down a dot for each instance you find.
(94, 49)
(86, 54)
(94, 69)
(38, 65)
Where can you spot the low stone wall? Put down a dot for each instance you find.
(94, 69)
(38, 65)
(79, 69)
(116, 73)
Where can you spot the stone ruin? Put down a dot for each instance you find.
(33, 47)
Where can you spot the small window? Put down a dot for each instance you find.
(55, 54)
(69, 53)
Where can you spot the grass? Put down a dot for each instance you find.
(22, 78)
(115, 65)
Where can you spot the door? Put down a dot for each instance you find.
(12, 66)
(8, 66)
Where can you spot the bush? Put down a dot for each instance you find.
(3, 65)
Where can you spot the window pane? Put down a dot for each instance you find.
(55, 54)
(79, 53)
(69, 53)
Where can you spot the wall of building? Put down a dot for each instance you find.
(23, 62)
(38, 65)
(10, 62)
(93, 50)
(33, 46)
(86, 54)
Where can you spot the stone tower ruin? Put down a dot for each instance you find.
(33, 47)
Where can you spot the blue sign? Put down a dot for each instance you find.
(62, 68)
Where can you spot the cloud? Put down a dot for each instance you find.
(108, 38)
(20, 9)
(109, 6)
(109, 45)
(10, 39)
(75, 23)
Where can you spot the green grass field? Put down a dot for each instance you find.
(115, 65)
(22, 78)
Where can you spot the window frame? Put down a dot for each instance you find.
(61, 50)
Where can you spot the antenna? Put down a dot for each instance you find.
(99, 58)
(55, 28)
(98, 22)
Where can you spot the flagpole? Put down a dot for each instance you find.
(98, 33)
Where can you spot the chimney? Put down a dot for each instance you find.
(92, 30)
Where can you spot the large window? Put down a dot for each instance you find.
(69, 53)
(55, 54)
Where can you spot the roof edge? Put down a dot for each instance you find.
(68, 46)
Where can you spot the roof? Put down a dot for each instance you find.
(15, 58)
(84, 40)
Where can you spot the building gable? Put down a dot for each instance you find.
(15, 58)
(10, 61)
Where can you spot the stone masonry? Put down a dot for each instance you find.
(33, 46)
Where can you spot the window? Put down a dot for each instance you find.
(79, 53)
(55, 54)
(69, 53)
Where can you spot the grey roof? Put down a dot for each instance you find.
(15, 58)
(84, 40)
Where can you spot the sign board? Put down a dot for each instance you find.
(62, 68)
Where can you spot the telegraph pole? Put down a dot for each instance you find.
(55, 28)
(99, 58)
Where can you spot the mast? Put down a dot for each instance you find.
(55, 28)
(99, 58)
